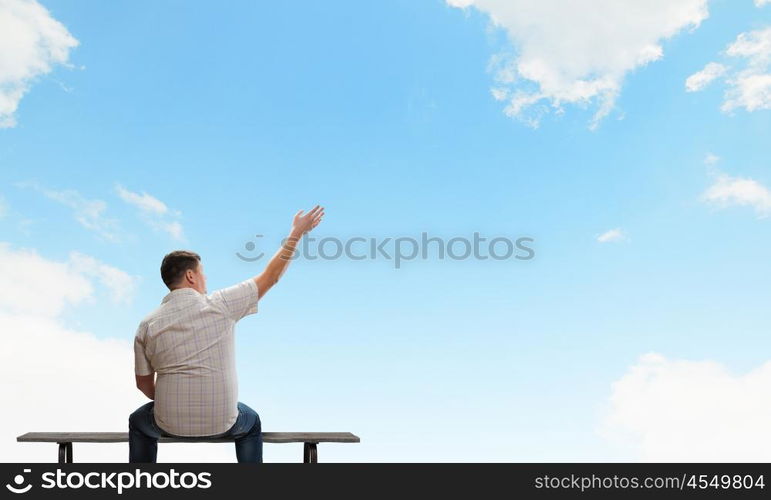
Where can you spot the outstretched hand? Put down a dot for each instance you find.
(305, 222)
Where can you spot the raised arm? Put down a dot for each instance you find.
(278, 264)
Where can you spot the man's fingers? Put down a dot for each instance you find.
(314, 215)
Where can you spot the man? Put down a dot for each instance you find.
(188, 341)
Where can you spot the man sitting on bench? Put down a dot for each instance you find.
(188, 341)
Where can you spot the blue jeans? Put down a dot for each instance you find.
(144, 433)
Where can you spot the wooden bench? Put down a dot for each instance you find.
(65, 440)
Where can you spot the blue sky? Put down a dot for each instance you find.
(237, 116)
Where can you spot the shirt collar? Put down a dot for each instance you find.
(180, 292)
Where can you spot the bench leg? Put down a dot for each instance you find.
(310, 454)
(65, 453)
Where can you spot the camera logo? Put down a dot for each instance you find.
(19, 481)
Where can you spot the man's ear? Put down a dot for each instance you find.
(190, 276)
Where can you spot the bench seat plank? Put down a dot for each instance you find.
(122, 437)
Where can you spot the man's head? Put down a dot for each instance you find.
(183, 269)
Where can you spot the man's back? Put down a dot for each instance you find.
(189, 341)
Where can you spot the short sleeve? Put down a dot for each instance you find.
(238, 300)
(142, 364)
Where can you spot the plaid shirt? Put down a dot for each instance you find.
(189, 341)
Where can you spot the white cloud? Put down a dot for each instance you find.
(690, 411)
(499, 94)
(174, 229)
(89, 213)
(578, 52)
(144, 201)
(32, 284)
(121, 284)
(611, 236)
(761, 3)
(59, 379)
(750, 86)
(711, 159)
(31, 44)
(155, 212)
(751, 92)
(729, 191)
(701, 79)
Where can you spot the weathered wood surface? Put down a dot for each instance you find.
(121, 437)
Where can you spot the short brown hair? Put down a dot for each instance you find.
(176, 264)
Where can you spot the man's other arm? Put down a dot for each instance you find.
(146, 384)
(142, 365)
(280, 261)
